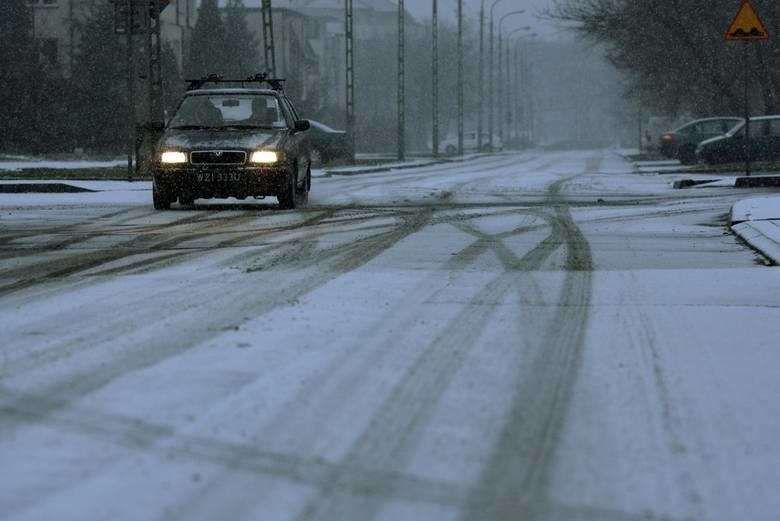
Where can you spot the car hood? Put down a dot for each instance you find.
(210, 139)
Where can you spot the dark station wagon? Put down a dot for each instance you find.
(681, 142)
(730, 148)
(233, 142)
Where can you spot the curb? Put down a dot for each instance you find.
(41, 188)
(759, 236)
(689, 183)
(757, 181)
(379, 168)
(401, 166)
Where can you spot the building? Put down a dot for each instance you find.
(55, 25)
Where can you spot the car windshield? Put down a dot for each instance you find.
(229, 111)
(734, 125)
(739, 129)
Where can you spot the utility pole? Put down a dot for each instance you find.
(268, 38)
(401, 82)
(501, 85)
(150, 113)
(435, 78)
(480, 80)
(460, 77)
(144, 78)
(350, 81)
(128, 21)
(515, 125)
(510, 85)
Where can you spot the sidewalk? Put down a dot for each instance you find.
(757, 221)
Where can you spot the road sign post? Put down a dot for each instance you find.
(747, 27)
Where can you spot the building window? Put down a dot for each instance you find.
(48, 50)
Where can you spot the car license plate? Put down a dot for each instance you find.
(218, 177)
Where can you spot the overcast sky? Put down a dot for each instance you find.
(448, 8)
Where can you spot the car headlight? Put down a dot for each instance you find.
(172, 157)
(266, 157)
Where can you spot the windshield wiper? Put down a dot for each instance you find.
(265, 127)
(194, 127)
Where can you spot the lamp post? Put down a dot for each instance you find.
(512, 107)
(460, 77)
(481, 94)
(490, 73)
(435, 77)
(350, 79)
(500, 75)
(401, 82)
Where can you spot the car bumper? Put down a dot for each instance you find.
(221, 182)
(668, 150)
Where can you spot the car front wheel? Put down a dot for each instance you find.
(302, 193)
(160, 198)
(287, 196)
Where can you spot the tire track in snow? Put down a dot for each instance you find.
(155, 241)
(166, 441)
(513, 483)
(89, 379)
(397, 425)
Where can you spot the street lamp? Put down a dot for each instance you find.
(401, 82)
(435, 77)
(350, 79)
(481, 94)
(460, 77)
(524, 102)
(510, 109)
(500, 76)
(490, 72)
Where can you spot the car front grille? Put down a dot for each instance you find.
(218, 157)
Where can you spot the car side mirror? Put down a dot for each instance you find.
(302, 125)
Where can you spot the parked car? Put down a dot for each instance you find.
(681, 143)
(729, 148)
(327, 144)
(471, 143)
(233, 142)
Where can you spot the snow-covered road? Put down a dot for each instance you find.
(542, 336)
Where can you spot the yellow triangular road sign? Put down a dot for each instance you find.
(747, 25)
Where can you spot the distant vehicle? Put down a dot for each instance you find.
(730, 148)
(233, 142)
(471, 143)
(327, 144)
(681, 143)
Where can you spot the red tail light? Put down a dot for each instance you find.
(667, 137)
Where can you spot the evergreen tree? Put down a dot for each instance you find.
(17, 55)
(207, 49)
(100, 114)
(173, 85)
(242, 58)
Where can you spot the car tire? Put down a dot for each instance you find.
(186, 201)
(288, 196)
(160, 198)
(302, 193)
(687, 156)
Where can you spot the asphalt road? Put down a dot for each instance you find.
(537, 336)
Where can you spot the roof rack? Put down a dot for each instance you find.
(275, 83)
